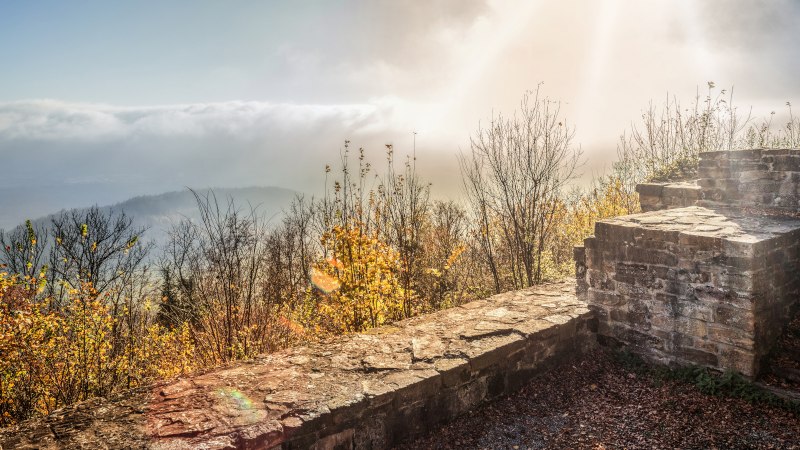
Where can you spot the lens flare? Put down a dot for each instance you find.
(291, 325)
(323, 281)
(236, 397)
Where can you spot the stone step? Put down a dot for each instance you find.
(693, 285)
(367, 390)
(758, 178)
(658, 196)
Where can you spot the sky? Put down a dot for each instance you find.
(101, 101)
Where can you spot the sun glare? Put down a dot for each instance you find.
(703, 59)
(501, 30)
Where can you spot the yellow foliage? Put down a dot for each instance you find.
(55, 358)
(364, 273)
(372, 267)
(575, 222)
(162, 353)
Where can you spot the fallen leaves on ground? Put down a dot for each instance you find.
(598, 403)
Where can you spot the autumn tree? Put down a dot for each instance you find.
(514, 175)
(359, 281)
(404, 218)
(215, 279)
(103, 248)
(447, 278)
(55, 358)
(23, 250)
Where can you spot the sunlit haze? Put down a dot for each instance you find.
(102, 101)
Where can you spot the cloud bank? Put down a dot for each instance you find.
(71, 154)
(51, 120)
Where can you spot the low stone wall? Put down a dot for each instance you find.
(658, 196)
(767, 178)
(367, 390)
(693, 285)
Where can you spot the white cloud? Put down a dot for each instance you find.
(75, 154)
(50, 120)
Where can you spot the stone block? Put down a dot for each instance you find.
(691, 327)
(632, 273)
(709, 174)
(695, 280)
(741, 319)
(454, 371)
(789, 163)
(697, 357)
(605, 298)
(759, 177)
(650, 189)
(689, 191)
(651, 257)
(713, 156)
(599, 280)
(750, 154)
(743, 361)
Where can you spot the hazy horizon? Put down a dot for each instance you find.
(100, 102)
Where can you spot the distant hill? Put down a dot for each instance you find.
(159, 212)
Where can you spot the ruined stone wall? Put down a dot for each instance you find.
(363, 391)
(692, 285)
(762, 178)
(713, 280)
(658, 196)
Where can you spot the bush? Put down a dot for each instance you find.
(56, 358)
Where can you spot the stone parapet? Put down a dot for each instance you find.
(367, 390)
(694, 285)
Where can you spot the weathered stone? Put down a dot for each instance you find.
(426, 347)
(685, 275)
(657, 196)
(364, 390)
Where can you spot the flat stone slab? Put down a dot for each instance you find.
(367, 390)
(723, 223)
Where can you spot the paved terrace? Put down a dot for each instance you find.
(367, 390)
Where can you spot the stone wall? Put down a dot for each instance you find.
(759, 177)
(367, 390)
(713, 280)
(693, 285)
(763, 178)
